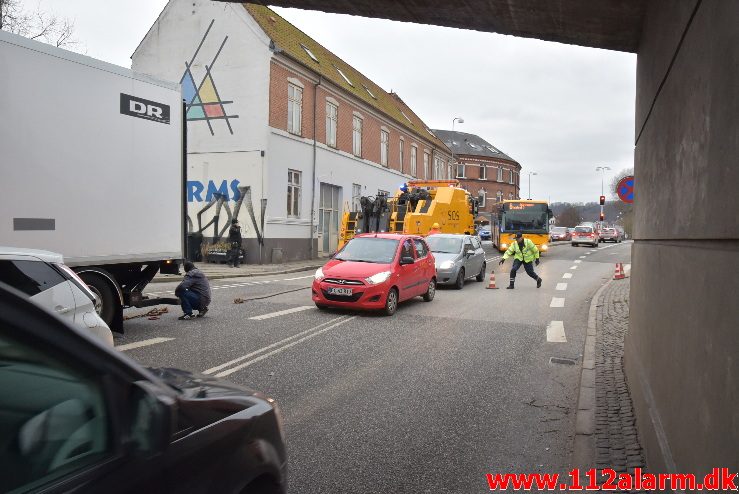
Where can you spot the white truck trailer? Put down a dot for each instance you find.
(91, 166)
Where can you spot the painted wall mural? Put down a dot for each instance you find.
(203, 101)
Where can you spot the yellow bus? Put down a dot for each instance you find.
(528, 217)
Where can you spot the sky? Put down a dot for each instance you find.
(559, 110)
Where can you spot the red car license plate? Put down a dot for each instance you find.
(345, 292)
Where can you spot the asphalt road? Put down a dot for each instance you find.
(428, 400)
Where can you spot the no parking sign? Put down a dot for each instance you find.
(625, 189)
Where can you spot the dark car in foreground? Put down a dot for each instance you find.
(77, 415)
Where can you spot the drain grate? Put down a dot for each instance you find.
(562, 360)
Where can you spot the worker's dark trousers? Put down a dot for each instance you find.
(528, 266)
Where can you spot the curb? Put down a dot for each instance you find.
(583, 451)
(243, 275)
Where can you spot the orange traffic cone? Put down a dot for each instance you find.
(492, 280)
(619, 275)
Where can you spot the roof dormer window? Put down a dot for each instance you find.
(342, 74)
(310, 53)
(369, 91)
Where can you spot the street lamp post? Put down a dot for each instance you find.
(460, 120)
(602, 169)
(530, 173)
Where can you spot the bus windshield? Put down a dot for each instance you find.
(526, 217)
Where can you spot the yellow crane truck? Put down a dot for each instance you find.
(413, 210)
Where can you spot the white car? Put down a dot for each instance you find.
(47, 281)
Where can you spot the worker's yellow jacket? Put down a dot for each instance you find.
(527, 254)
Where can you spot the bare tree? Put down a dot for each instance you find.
(36, 24)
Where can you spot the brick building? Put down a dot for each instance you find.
(483, 169)
(281, 132)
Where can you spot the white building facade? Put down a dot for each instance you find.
(282, 134)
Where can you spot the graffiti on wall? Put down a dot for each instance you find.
(203, 102)
(215, 200)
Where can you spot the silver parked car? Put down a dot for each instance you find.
(48, 282)
(458, 257)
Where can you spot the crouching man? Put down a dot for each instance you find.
(193, 292)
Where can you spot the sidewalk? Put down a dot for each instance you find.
(219, 271)
(606, 430)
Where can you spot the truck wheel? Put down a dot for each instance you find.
(481, 275)
(459, 284)
(106, 303)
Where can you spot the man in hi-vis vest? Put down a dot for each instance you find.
(523, 251)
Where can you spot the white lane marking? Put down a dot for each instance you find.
(278, 343)
(567, 275)
(581, 257)
(492, 258)
(561, 287)
(590, 251)
(285, 340)
(556, 332)
(298, 278)
(573, 267)
(557, 302)
(577, 261)
(139, 344)
(281, 313)
(282, 348)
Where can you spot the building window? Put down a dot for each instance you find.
(357, 136)
(402, 146)
(460, 170)
(449, 171)
(439, 167)
(414, 167)
(369, 92)
(356, 196)
(482, 194)
(384, 147)
(510, 195)
(332, 120)
(483, 172)
(500, 174)
(381, 192)
(293, 193)
(294, 109)
(426, 164)
(499, 196)
(510, 177)
(343, 75)
(310, 53)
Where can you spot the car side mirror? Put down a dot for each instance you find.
(406, 260)
(152, 419)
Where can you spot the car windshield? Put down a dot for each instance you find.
(583, 229)
(444, 245)
(369, 249)
(559, 229)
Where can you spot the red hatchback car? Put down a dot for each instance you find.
(376, 272)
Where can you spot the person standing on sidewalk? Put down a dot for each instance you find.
(234, 238)
(524, 252)
(193, 292)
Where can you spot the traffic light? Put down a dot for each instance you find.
(602, 216)
(602, 201)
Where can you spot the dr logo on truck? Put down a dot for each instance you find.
(143, 108)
